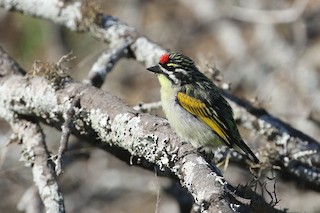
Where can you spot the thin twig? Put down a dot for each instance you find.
(66, 132)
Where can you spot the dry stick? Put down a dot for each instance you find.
(66, 132)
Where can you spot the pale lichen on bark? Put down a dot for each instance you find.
(123, 127)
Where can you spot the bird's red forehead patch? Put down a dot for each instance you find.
(164, 58)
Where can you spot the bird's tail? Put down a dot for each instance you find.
(248, 152)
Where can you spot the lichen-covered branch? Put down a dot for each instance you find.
(101, 118)
(36, 155)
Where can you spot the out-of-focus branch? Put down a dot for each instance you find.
(123, 40)
(210, 10)
(105, 63)
(30, 202)
(271, 17)
(36, 155)
(86, 17)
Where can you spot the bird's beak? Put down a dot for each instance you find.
(155, 69)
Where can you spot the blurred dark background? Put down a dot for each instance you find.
(268, 50)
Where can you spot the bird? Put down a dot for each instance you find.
(194, 106)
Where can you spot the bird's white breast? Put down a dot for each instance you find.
(187, 126)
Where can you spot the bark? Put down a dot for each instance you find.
(105, 120)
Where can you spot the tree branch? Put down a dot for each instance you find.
(296, 152)
(104, 119)
(36, 155)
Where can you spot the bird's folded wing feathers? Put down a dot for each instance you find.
(213, 118)
(205, 114)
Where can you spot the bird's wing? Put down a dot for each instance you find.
(200, 109)
(214, 111)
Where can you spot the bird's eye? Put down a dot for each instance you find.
(171, 66)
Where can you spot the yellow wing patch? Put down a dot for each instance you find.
(193, 105)
(199, 109)
(210, 122)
